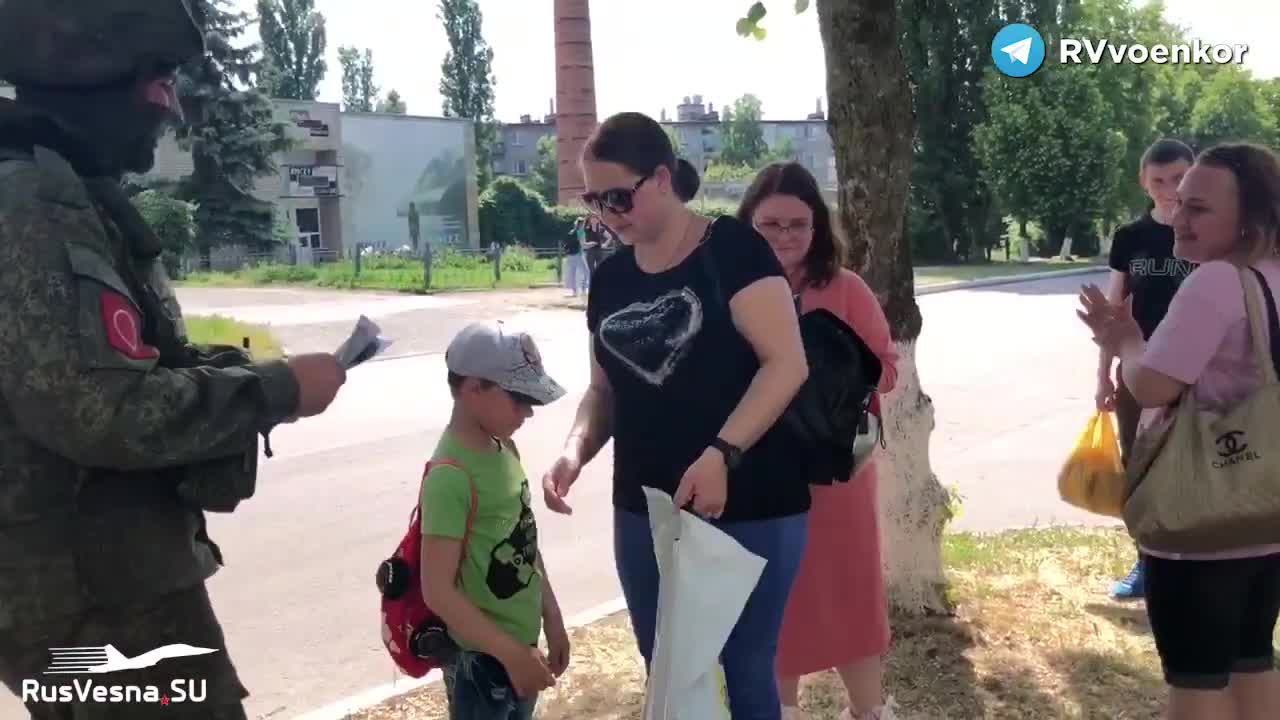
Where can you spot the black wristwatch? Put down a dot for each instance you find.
(732, 453)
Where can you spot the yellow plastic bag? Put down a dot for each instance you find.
(1092, 477)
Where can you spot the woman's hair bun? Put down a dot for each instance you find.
(685, 182)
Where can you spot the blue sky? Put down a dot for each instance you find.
(649, 54)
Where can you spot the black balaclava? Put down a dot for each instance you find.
(115, 125)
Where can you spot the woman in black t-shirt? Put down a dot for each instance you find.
(696, 352)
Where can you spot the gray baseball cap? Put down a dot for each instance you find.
(507, 357)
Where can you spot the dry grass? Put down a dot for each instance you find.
(1035, 637)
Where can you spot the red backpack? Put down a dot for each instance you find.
(412, 632)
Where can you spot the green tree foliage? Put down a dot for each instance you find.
(545, 173)
(393, 104)
(1046, 163)
(359, 93)
(466, 78)
(1233, 107)
(233, 137)
(174, 222)
(293, 44)
(512, 213)
(946, 46)
(1129, 91)
(741, 134)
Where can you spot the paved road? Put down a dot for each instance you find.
(1008, 369)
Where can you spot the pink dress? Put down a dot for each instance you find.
(837, 613)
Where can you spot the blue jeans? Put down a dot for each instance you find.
(577, 274)
(748, 655)
(478, 688)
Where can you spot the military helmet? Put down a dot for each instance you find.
(76, 44)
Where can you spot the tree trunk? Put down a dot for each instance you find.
(871, 127)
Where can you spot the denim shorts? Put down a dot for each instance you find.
(478, 688)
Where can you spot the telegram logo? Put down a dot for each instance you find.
(1018, 50)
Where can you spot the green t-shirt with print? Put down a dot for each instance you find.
(498, 572)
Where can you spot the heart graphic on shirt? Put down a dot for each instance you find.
(652, 337)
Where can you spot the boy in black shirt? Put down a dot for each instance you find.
(1143, 266)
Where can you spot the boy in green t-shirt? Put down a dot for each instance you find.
(493, 594)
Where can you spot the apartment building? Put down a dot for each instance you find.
(697, 126)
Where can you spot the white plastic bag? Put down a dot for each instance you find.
(706, 578)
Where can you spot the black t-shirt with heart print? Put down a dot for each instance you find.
(678, 368)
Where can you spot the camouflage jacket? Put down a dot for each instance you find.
(114, 429)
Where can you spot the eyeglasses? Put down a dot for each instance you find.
(771, 227)
(616, 200)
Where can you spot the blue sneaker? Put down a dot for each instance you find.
(1132, 587)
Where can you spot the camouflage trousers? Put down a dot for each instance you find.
(201, 686)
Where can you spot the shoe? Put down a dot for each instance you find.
(791, 712)
(1132, 587)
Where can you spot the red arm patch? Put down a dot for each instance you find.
(123, 327)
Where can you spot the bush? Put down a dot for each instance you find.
(518, 258)
(173, 221)
(714, 208)
(511, 213)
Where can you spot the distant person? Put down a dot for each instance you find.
(1143, 266)
(837, 614)
(577, 276)
(1213, 615)
(413, 225)
(695, 354)
(595, 246)
(492, 593)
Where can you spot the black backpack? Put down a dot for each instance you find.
(832, 408)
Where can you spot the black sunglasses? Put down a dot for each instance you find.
(619, 201)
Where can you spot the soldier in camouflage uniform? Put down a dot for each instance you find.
(116, 432)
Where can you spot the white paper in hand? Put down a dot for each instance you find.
(706, 578)
(364, 343)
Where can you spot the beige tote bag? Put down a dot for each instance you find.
(1208, 481)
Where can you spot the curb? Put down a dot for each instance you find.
(394, 690)
(1006, 280)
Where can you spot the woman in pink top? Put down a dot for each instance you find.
(836, 616)
(1212, 615)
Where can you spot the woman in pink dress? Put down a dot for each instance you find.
(836, 616)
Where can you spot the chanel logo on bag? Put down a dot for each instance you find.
(1231, 443)
(1233, 447)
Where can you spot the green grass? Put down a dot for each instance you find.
(938, 274)
(219, 330)
(450, 270)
